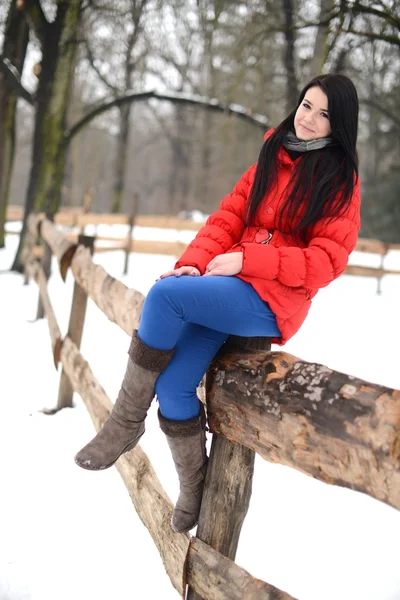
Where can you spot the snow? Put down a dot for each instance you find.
(67, 533)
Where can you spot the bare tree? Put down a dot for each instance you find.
(58, 40)
(289, 55)
(16, 34)
(129, 53)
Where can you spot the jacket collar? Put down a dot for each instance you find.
(283, 156)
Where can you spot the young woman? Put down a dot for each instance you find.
(284, 232)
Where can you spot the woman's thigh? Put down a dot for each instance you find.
(226, 304)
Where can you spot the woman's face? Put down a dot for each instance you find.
(311, 120)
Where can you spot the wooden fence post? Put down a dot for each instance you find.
(87, 205)
(229, 479)
(75, 329)
(132, 218)
(46, 266)
(30, 241)
(382, 266)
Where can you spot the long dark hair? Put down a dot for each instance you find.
(324, 177)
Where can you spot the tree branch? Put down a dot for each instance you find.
(35, 17)
(133, 63)
(173, 139)
(13, 79)
(266, 31)
(383, 110)
(391, 19)
(103, 8)
(91, 60)
(260, 121)
(389, 39)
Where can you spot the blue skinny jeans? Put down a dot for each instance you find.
(195, 315)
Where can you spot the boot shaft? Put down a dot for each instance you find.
(187, 442)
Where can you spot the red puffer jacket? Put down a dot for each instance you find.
(285, 274)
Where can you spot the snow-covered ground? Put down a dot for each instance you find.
(69, 534)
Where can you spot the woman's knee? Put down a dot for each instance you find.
(176, 401)
(162, 289)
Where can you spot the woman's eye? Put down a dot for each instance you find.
(325, 115)
(306, 105)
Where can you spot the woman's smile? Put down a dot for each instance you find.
(306, 128)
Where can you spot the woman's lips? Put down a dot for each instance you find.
(306, 128)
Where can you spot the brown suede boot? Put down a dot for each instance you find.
(125, 425)
(187, 441)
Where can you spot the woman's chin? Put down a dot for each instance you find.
(303, 134)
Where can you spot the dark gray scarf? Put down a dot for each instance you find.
(292, 142)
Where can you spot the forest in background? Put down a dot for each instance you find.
(256, 54)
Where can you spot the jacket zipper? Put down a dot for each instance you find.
(267, 241)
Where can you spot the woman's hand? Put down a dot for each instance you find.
(225, 264)
(193, 271)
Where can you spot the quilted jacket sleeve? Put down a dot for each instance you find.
(222, 229)
(322, 261)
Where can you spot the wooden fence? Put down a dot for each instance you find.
(78, 218)
(334, 427)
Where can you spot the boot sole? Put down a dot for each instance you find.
(102, 468)
(186, 528)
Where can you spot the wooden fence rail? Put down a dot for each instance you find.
(78, 219)
(332, 426)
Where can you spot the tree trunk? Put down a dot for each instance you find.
(49, 147)
(178, 187)
(122, 151)
(16, 36)
(321, 46)
(292, 88)
(203, 189)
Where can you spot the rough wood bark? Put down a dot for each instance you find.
(337, 428)
(151, 502)
(121, 304)
(48, 151)
(75, 329)
(61, 247)
(226, 495)
(16, 35)
(215, 577)
(35, 270)
(226, 498)
(229, 479)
